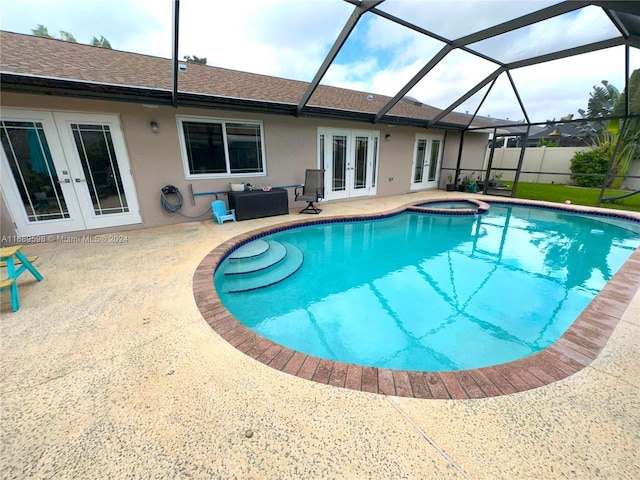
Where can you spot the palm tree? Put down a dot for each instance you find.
(629, 149)
(602, 100)
(41, 31)
(619, 141)
(101, 42)
(195, 59)
(67, 37)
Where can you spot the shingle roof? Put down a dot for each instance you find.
(25, 58)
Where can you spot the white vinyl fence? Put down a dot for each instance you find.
(550, 164)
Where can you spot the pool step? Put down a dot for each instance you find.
(251, 249)
(274, 253)
(279, 261)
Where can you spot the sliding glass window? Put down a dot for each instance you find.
(214, 148)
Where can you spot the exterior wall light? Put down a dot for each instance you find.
(387, 137)
(155, 128)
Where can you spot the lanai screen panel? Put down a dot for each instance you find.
(380, 56)
(549, 36)
(433, 51)
(455, 19)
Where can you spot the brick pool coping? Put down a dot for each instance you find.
(574, 350)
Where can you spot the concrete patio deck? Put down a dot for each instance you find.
(108, 370)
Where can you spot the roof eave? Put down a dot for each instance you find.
(19, 83)
(29, 84)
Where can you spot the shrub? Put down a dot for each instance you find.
(591, 162)
(543, 142)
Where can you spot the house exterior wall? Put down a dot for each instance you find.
(290, 148)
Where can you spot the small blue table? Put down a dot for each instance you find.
(10, 256)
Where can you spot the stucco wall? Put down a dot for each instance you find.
(290, 148)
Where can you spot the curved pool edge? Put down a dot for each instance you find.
(576, 349)
(430, 206)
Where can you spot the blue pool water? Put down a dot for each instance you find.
(450, 205)
(421, 291)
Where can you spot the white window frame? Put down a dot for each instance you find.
(220, 121)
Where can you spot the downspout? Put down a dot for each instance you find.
(176, 24)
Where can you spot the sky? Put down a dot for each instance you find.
(290, 38)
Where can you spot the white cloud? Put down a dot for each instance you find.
(139, 26)
(275, 37)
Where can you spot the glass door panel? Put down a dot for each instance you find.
(360, 163)
(433, 160)
(374, 163)
(96, 152)
(31, 165)
(321, 151)
(418, 171)
(339, 163)
(36, 181)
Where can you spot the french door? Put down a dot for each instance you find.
(350, 161)
(65, 172)
(427, 155)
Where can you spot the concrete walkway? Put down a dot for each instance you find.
(109, 371)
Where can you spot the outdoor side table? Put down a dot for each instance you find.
(11, 256)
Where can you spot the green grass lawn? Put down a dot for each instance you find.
(578, 195)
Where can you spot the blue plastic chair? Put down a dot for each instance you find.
(220, 212)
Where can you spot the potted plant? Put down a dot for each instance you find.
(496, 181)
(450, 185)
(469, 183)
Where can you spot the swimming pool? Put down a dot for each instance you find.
(426, 292)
